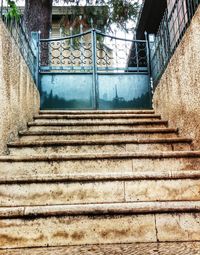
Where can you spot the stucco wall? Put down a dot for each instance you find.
(19, 97)
(177, 96)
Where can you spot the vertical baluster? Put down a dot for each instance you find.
(92, 27)
(107, 54)
(137, 55)
(71, 49)
(126, 52)
(50, 48)
(1, 8)
(61, 48)
(39, 49)
(81, 46)
(178, 22)
(116, 53)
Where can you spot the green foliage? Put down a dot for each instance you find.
(13, 12)
(118, 12)
(122, 11)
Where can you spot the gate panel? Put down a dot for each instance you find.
(124, 91)
(67, 91)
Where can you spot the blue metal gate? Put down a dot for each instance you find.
(94, 70)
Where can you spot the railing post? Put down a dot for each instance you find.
(94, 64)
(1, 8)
(35, 46)
(148, 52)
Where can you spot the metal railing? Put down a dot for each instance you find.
(20, 36)
(175, 21)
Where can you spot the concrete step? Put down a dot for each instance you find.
(98, 134)
(85, 120)
(41, 226)
(99, 163)
(97, 116)
(99, 146)
(95, 125)
(158, 248)
(78, 112)
(99, 188)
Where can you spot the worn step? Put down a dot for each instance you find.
(84, 119)
(98, 134)
(98, 146)
(158, 248)
(83, 189)
(99, 163)
(40, 226)
(95, 125)
(66, 112)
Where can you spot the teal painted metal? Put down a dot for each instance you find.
(94, 61)
(90, 71)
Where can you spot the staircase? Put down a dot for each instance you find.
(99, 178)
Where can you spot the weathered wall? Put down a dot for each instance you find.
(19, 97)
(177, 96)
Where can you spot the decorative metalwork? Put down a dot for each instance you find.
(175, 21)
(79, 52)
(68, 53)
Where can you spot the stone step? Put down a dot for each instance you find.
(78, 112)
(99, 163)
(97, 116)
(64, 189)
(98, 134)
(85, 120)
(99, 146)
(158, 248)
(42, 226)
(95, 125)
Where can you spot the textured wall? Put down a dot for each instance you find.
(177, 96)
(19, 98)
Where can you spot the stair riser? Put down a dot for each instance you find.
(98, 166)
(95, 136)
(95, 127)
(99, 192)
(99, 229)
(98, 148)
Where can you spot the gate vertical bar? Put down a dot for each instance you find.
(38, 60)
(35, 38)
(94, 70)
(148, 52)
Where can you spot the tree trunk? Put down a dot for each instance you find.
(38, 16)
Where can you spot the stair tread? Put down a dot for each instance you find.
(92, 177)
(93, 123)
(97, 116)
(161, 248)
(96, 111)
(115, 131)
(99, 141)
(92, 156)
(101, 208)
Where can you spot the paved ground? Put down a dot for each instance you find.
(192, 248)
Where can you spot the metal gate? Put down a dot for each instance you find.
(94, 70)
